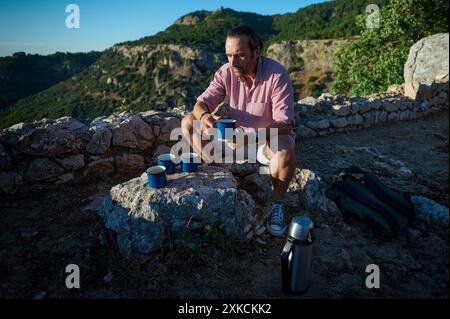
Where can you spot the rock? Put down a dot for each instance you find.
(189, 19)
(427, 62)
(260, 186)
(323, 124)
(10, 182)
(108, 121)
(310, 55)
(63, 179)
(355, 120)
(393, 116)
(428, 210)
(414, 236)
(42, 169)
(5, 160)
(309, 100)
(180, 111)
(355, 108)
(304, 131)
(133, 133)
(364, 106)
(242, 169)
(316, 125)
(369, 118)
(28, 232)
(72, 162)
(347, 260)
(129, 163)
(39, 295)
(160, 149)
(244, 208)
(382, 117)
(389, 165)
(156, 130)
(108, 277)
(69, 123)
(397, 89)
(391, 105)
(100, 167)
(143, 217)
(15, 130)
(100, 141)
(48, 141)
(170, 124)
(375, 103)
(310, 188)
(341, 110)
(340, 122)
(404, 115)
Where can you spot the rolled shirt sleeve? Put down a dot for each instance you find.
(215, 93)
(283, 99)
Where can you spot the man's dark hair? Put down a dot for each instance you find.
(254, 41)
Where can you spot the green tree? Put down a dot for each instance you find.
(376, 60)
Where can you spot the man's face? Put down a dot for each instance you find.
(240, 56)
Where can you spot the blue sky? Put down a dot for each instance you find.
(38, 26)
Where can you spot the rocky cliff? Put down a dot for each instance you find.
(309, 63)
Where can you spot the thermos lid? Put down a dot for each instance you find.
(300, 227)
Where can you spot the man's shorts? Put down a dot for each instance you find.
(261, 156)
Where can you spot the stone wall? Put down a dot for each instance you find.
(63, 150)
(336, 113)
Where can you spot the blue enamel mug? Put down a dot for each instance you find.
(167, 160)
(189, 162)
(225, 128)
(156, 176)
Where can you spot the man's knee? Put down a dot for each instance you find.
(284, 145)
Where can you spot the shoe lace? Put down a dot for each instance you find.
(277, 215)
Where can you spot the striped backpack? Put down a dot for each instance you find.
(362, 196)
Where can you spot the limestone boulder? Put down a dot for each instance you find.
(144, 217)
(427, 64)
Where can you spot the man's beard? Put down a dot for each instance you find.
(239, 71)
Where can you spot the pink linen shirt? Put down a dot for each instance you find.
(269, 99)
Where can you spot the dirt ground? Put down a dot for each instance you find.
(43, 231)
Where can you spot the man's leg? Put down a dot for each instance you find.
(282, 169)
(282, 165)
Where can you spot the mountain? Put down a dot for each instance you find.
(207, 30)
(25, 74)
(171, 68)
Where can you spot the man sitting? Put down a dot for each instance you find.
(259, 90)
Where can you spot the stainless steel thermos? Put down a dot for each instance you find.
(297, 254)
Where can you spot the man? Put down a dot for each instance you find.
(259, 90)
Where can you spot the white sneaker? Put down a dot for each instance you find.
(276, 224)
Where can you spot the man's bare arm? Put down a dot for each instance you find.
(199, 109)
(207, 120)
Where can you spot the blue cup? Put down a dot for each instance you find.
(225, 124)
(156, 176)
(167, 160)
(189, 162)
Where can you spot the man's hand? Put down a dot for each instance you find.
(208, 121)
